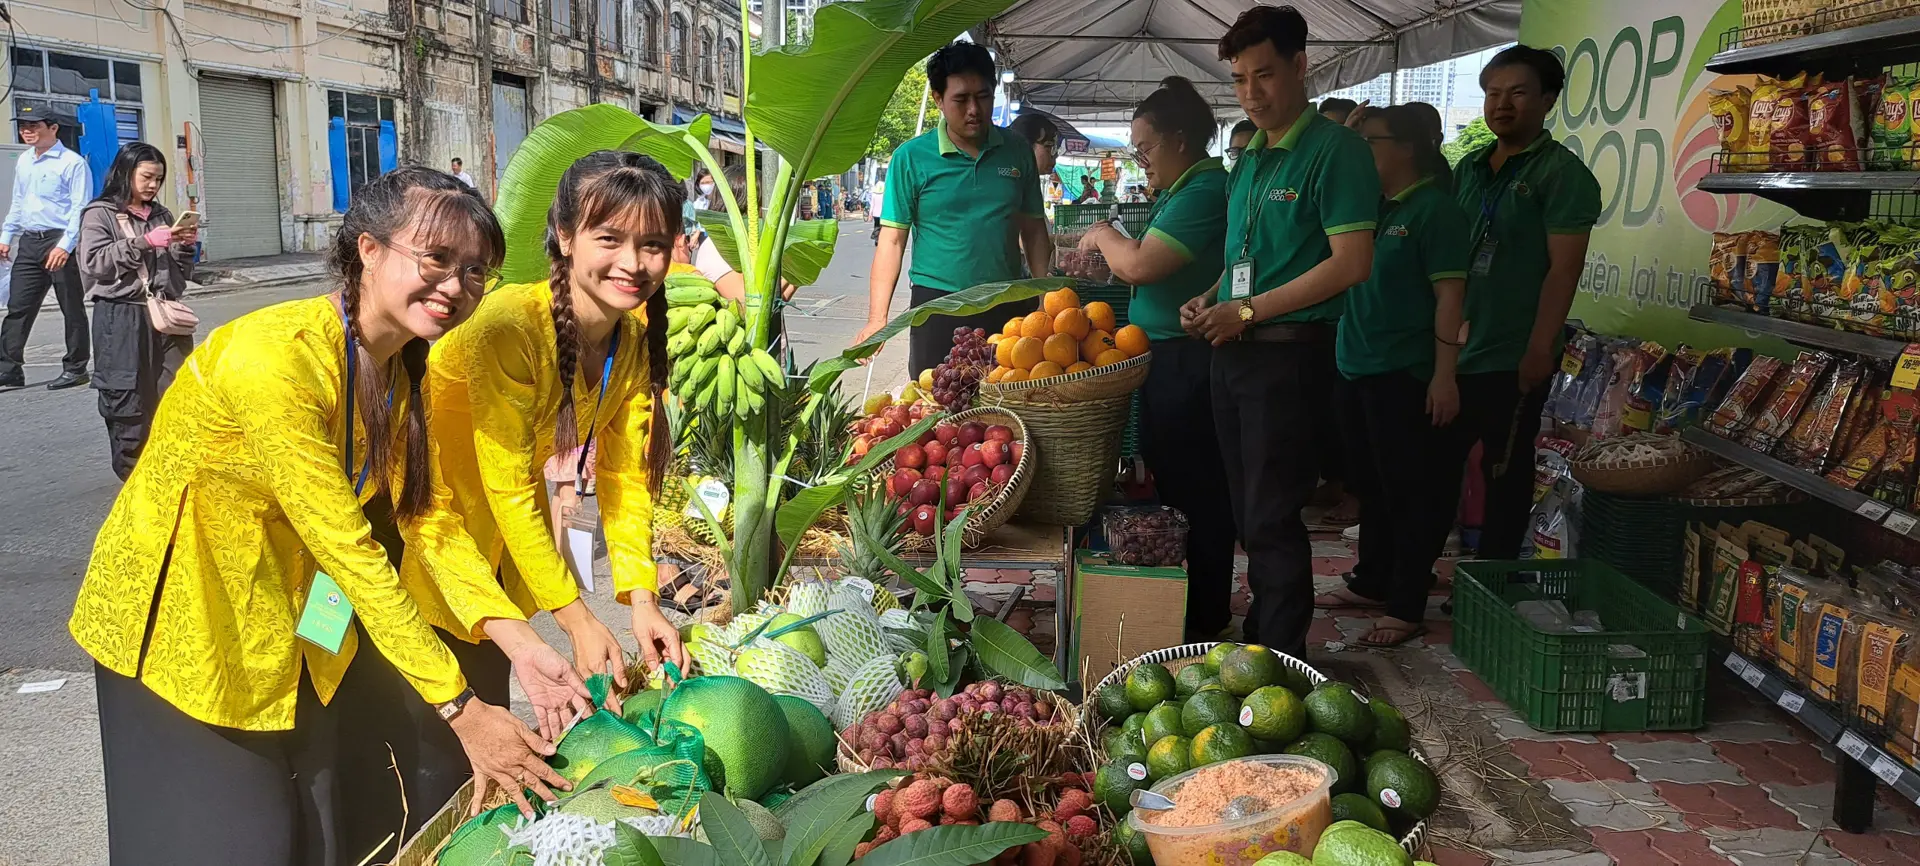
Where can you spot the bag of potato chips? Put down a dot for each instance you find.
(1835, 126)
(1891, 137)
(1730, 110)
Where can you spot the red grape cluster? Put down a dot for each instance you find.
(957, 380)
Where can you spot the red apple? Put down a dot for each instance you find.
(936, 473)
(861, 445)
(936, 452)
(1001, 432)
(924, 491)
(923, 519)
(946, 432)
(910, 457)
(1001, 474)
(899, 414)
(903, 481)
(917, 411)
(971, 432)
(956, 490)
(890, 428)
(953, 514)
(956, 458)
(976, 474)
(978, 492)
(973, 456)
(995, 452)
(1019, 448)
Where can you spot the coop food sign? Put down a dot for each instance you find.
(1635, 110)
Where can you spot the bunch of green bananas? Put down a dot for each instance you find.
(715, 370)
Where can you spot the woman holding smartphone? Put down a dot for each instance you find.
(220, 603)
(129, 251)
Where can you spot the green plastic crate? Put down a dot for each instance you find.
(1069, 217)
(1577, 682)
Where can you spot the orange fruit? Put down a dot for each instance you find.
(994, 374)
(1110, 356)
(1003, 352)
(1061, 349)
(1013, 326)
(1027, 351)
(1101, 314)
(1094, 344)
(1077, 366)
(1060, 299)
(1037, 324)
(1073, 322)
(1014, 376)
(1046, 368)
(1131, 340)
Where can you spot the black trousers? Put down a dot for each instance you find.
(1328, 432)
(1407, 474)
(31, 280)
(928, 344)
(181, 792)
(1267, 402)
(1506, 423)
(132, 367)
(378, 711)
(1176, 423)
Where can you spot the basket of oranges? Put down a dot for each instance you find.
(1070, 376)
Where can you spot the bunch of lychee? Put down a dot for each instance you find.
(910, 732)
(922, 802)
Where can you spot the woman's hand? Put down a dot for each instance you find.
(158, 237)
(504, 753)
(552, 686)
(1443, 400)
(658, 639)
(595, 650)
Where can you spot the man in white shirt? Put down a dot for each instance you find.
(50, 186)
(876, 197)
(459, 173)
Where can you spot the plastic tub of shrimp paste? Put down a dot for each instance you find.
(1235, 812)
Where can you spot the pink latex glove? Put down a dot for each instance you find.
(160, 237)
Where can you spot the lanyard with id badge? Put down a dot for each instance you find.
(579, 540)
(1240, 273)
(327, 615)
(1484, 250)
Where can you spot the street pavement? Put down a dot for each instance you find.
(56, 487)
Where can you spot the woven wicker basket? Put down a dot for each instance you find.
(1078, 446)
(1177, 657)
(986, 518)
(1099, 383)
(1656, 477)
(1065, 715)
(1764, 21)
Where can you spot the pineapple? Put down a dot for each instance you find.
(710, 455)
(874, 523)
(672, 507)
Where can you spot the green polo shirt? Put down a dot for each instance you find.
(1422, 240)
(1541, 191)
(1286, 198)
(964, 212)
(1190, 217)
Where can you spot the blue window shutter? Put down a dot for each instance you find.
(337, 162)
(389, 147)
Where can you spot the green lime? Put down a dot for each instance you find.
(1190, 679)
(1356, 807)
(1404, 786)
(1390, 730)
(1112, 702)
(1128, 745)
(1208, 708)
(1148, 685)
(1283, 858)
(1249, 668)
(1115, 782)
(1134, 723)
(1359, 845)
(1162, 721)
(1211, 685)
(1334, 708)
(1273, 713)
(1168, 757)
(1131, 842)
(1328, 750)
(1295, 680)
(1222, 742)
(1211, 661)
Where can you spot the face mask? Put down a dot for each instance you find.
(706, 189)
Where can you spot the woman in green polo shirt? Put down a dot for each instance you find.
(1397, 346)
(1179, 255)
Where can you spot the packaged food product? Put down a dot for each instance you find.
(1835, 126)
(1891, 138)
(1793, 290)
(1732, 418)
(1790, 141)
(1727, 266)
(1788, 397)
(1826, 271)
(1813, 436)
(1749, 607)
(1723, 588)
(1690, 567)
(1793, 598)
(1762, 271)
(1760, 111)
(1894, 483)
(1829, 624)
(1831, 556)
(1861, 305)
(1862, 461)
(1903, 729)
(1148, 536)
(1730, 109)
(1873, 645)
(1628, 363)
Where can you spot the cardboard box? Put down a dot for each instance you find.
(1123, 611)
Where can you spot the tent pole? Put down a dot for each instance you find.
(920, 120)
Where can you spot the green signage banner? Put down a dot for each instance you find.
(1635, 109)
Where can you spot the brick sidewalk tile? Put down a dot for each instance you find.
(1240, 602)
(1876, 849)
(1811, 805)
(1041, 593)
(1579, 762)
(1475, 687)
(1783, 763)
(1658, 847)
(1439, 631)
(1735, 807)
(1748, 731)
(1614, 805)
(1675, 761)
(1507, 857)
(1455, 857)
(1512, 728)
(1772, 846)
(1016, 576)
(1321, 631)
(982, 575)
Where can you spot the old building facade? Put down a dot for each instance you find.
(288, 106)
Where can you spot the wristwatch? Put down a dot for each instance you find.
(1246, 310)
(451, 709)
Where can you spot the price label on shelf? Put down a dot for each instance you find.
(1791, 702)
(1886, 768)
(1900, 522)
(1872, 510)
(1753, 675)
(1906, 371)
(1736, 664)
(1851, 743)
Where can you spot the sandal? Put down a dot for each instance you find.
(1400, 631)
(1345, 599)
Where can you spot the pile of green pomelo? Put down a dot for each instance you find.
(1241, 700)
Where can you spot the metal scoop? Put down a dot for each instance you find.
(1150, 801)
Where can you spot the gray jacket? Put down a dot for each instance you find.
(110, 261)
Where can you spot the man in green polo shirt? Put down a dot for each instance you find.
(1301, 207)
(970, 194)
(1534, 204)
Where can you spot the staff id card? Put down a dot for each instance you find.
(1240, 280)
(1483, 257)
(327, 616)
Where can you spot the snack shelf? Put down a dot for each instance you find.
(1866, 762)
(1802, 333)
(1837, 51)
(1891, 519)
(1830, 195)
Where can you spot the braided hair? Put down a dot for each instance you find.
(602, 186)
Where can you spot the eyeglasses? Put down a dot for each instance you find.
(472, 277)
(1139, 154)
(1236, 152)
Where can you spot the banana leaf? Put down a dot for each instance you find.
(818, 103)
(809, 246)
(533, 175)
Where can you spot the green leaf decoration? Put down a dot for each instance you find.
(956, 669)
(953, 845)
(732, 835)
(828, 803)
(1005, 653)
(937, 649)
(818, 103)
(804, 509)
(631, 848)
(965, 302)
(533, 175)
(845, 838)
(809, 246)
(675, 851)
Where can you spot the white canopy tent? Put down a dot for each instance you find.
(1093, 60)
